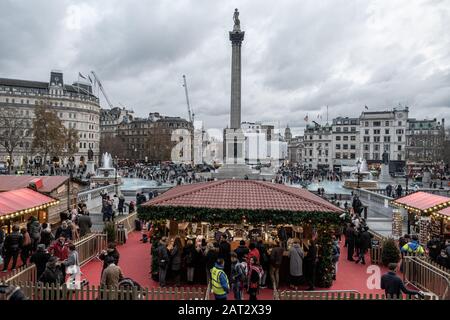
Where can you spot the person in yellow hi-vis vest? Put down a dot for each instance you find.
(413, 246)
(219, 281)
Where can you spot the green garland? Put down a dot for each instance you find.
(213, 215)
(158, 233)
(324, 277)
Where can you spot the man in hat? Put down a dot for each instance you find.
(40, 259)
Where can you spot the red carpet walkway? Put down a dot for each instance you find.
(135, 263)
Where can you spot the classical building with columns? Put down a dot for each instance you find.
(75, 105)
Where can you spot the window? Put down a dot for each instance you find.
(387, 139)
(338, 155)
(376, 131)
(399, 131)
(386, 131)
(352, 147)
(376, 156)
(399, 148)
(366, 131)
(338, 138)
(399, 138)
(366, 147)
(386, 123)
(345, 138)
(345, 129)
(338, 147)
(376, 139)
(400, 123)
(345, 156)
(377, 123)
(353, 138)
(367, 139)
(376, 147)
(345, 146)
(353, 129)
(366, 123)
(352, 156)
(338, 129)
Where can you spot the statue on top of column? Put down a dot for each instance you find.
(237, 22)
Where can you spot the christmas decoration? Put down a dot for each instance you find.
(390, 252)
(397, 223)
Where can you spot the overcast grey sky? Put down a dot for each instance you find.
(298, 56)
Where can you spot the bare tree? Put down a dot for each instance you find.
(49, 134)
(13, 131)
(113, 145)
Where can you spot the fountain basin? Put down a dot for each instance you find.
(365, 184)
(131, 186)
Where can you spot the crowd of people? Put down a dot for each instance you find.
(52, 252)
(246, 269)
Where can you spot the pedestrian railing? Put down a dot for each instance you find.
(426, 276)
(90, 246)
(38, 291)
(377, 251)
(23, 274)
(128, 226)
(335, 295)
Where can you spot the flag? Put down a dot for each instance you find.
(367, 108)
(81, 76)
(90, 79)
(306, 118)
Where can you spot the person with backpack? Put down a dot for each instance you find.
(413, 247)
(296, 264)
(255, 273)
(238, 277)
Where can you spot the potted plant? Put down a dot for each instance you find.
(390, 252)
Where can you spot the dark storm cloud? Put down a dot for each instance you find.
(297, 56)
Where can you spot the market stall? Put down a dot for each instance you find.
(249, 210)
(428, 214)
(17, 206)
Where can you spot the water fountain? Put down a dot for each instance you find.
(106, 173)
(365, 177)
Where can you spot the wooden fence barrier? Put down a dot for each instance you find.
(51, 292)
(426, 276)
(23, 274)
(90, 246)
(334, 295)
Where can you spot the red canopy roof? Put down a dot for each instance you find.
(243, 194)
(445, 212)
(422, 200)
(44, 184)
(22, 199)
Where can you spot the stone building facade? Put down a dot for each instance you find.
(110, 120)
(318, 146)
(75, 105)
(425, 141)
(157, 138)
(345, 142)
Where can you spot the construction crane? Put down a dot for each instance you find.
(101, 88)
(191, 114)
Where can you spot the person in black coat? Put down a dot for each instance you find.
(350, 236)
(393, 285)
(211, 256)
(310, 263)
(241, 251)
(365, 243)
(40, 259)
(11, 247)
(52, 273)
(225, 254)
(111, 251)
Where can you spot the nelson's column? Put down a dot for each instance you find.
(233, 137)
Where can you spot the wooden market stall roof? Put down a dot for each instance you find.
(45, 184)
(20, 201)
(243, 194)
(423, 201)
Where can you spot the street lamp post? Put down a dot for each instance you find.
(116, 167)
(358, 165)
